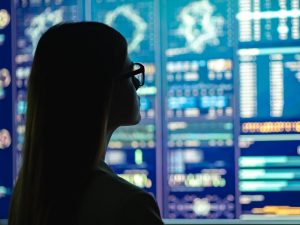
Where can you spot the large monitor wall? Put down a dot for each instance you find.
(220, 130)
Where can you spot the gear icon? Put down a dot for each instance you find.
(5, 139)
(5, 78)
(140, 26)
(39, 24)
(4, 18)
(199, 27)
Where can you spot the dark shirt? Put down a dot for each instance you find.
(111, 200)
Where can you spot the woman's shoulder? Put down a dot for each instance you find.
(113, 183)
(107, 189)
(109, 199)
(105, 196)
(135, 205)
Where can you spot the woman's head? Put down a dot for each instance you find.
(77, 75)
(76, 95)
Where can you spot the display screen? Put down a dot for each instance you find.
(220, 131)
(6, 128)
(33, 18)
(132, 150)
(199, 97)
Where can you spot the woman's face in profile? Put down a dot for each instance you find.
(125, 105)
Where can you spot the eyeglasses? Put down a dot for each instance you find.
(137, 75)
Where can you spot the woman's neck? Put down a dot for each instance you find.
(108, 136)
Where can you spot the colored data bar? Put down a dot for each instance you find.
(147, 91)
(270, 137)
(268, 15)
(201, 136)
(268, 51)
(143, 133)
(269, 161)
(269, 186)
(212, 178)
(138, 177)
(278, 210)
(271, 127)
(269, 174)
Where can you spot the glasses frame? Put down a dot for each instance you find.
(135, 72)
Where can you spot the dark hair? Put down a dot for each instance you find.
(69, 92)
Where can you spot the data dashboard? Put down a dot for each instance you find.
(220, 131)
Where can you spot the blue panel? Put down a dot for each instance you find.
(134, 19)
(198, 75)
(268, 64)
(6, 159)
(132, 150)
(220, 130)
(33, 18)
(269, 79)
(267, 23)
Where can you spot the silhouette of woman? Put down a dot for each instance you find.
(81, 88)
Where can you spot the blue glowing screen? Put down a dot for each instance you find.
(220, 131)
(6, 129)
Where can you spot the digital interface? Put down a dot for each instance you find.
(220, 131)
(266, 92)
(132, 150)
(269, 183)
(196, 27)
(33, 18)
(199, 110)
(6, 162)
(269, 65)
(268, 22)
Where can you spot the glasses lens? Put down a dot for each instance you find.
(139, 76)
(136, 82)
(136, 67)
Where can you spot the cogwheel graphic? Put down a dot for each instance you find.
(5, 139)
(199, 27)
(4, 18)
(201, 207)
(39, 24)
(140, 26)
(5, 78)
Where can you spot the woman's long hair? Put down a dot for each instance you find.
(69, 92)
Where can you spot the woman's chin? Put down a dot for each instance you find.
(133, 121)
(137, 119)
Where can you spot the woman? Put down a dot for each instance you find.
(81, 88)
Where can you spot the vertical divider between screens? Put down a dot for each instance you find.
(158, 107)
(14, 94)
(164, 138)
(87, 16)
(81, 14)
(6, 152)
(236, 105)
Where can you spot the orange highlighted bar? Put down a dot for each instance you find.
(271, 127)
(278, 210)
